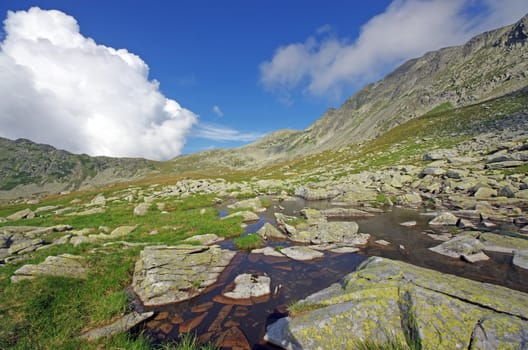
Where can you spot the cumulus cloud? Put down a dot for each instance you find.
(61, 88)
(324, 64)
(222, 133)
(218, 111)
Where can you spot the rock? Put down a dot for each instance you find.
(189, 325)
(444, 219)
(466, 224)
(91, 211)
(507, 191)
(312, 215)
(268, 251)
(233, 338)
(65, 265)
(301, 253)
(254, 204)
(382, 242)
(46, 208)
(249, 286)
(386, 300)
(485, 192)
(22, 214)
(505, 164)
(465, 246)
(25, 246)
(409, 199)
(141, 209)
(167, 274)
(313, 194)
(344, 250)
(439, 154)
(499, 332)
(121, 325)
(345, 213)
(457, 173)
(99, 200)
(269, 231)
(434, 171)
(122, 231)
(206, 239)
(330, 232)
(408, 223)
(247, 216)
(356, 195)
(522, 194)
(520, 259)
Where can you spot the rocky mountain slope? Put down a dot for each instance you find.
(28, 168)
(489, 65)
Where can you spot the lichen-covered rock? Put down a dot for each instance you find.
(386, 300)
(466, 246)
(313, 194)
(444, 219)
(247, 216)
(345, 213)
(206, 239)
(122, 231)
(254, 203)
(269, 231)
(65, 265)
(485, 192)
(330, 232)
(168, 274)
(22, 214)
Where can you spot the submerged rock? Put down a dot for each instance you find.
(65, 265)
(168, 274)
(386, 300)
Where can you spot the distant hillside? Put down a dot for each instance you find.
(28, 168)
(489, 65)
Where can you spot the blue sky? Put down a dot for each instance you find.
(246, 68)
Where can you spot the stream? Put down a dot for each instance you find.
(213, 318)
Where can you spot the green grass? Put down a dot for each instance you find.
(248, 242)
(187, 342)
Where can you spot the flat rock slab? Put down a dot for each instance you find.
(168, 274)
(387, 300)
(268, 231)
(207, 239)
(268, 251)
(465, 246)
(249, 286)
(122, 325)
(520, 259)
(65, 265)
(247, 216)
(301, 253)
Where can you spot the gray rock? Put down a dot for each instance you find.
(344, 250)
(65, 265)
(507, 191)
(409, 199)
(268, 251)
(466, 246)
(248, 216)
(408, 223)
(99, 200)
(440, 154)
(499, 332)
(330, 232)
(268, 231)
(46, 208)
(311, 194)
(444, 219)
(520, 259)
(301, 253)
(254, 203)
(434, 171)
(25, 246)
(90, 211)
(505, 164)
(206, 239)
(249, 286)
(141, 209)
(122, 231)
(123, 324)
(345, 213)
(168, 274)
(22, 214)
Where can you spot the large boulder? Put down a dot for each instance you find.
(466, 246)
(21, 214)
(392, 301)
(330, 232)
(249, 286)
(168, 274)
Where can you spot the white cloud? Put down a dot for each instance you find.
(218, 111)
(222, 133)
(61, 88)
(324, 65)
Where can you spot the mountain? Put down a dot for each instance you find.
(28, 168)
(489, 65)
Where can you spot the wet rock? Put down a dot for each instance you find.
(22, 214)
(189, 325)
(301, 253)
(520, 259)
(141, 209)
(249, 286)
(466, 246)
(444, 219)
(382, 242)
(121, 325)
(65, 265)
(268, 251)
(344, 250)
(248, 216)
(269, 231)
(202, 307)
(386, 300)
(167, 274)
(206, 239)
